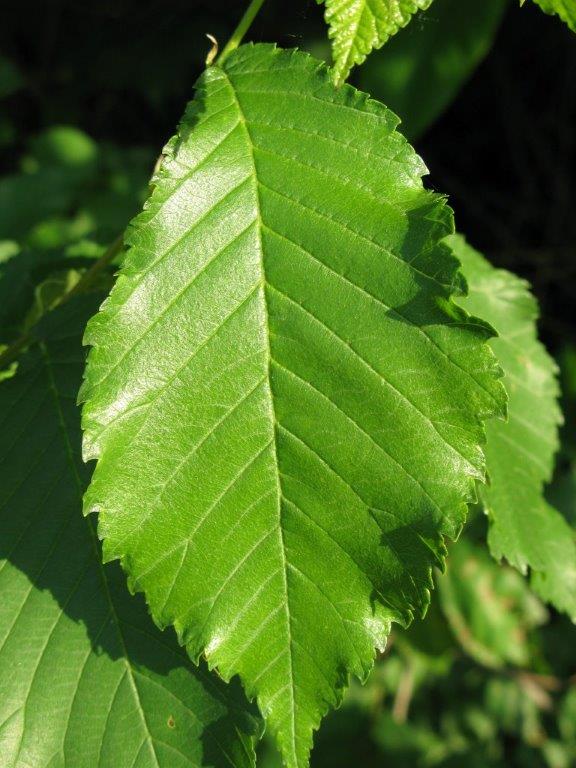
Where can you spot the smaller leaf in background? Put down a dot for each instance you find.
(421, 71)
(566, 9)
(488, 607)
(32, 279)
(515, 704)
(567, 362)
(524, 529)
(356, 27)
(64, 146)
(48, 294)
(567, 720)
(17, 270)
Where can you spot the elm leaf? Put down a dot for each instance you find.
(285, 403)
(357, 27)
(524, 528)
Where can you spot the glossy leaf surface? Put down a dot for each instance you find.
(284, 401)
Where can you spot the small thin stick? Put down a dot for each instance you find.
(403, 695)
(213, 52)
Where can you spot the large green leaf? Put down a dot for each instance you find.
(524, 529)
(356, 27)
(284, 401)
(566, 9)
(419, 73)
(86, 679)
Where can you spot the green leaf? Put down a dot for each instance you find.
(520, 453)
(284, 401)
(566, 9)
(86, 680)
(489, 608)
(420, 72)
(357, 27)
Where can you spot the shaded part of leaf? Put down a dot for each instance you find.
(86, 679)
(524, 529)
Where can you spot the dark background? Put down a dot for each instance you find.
(504, 151)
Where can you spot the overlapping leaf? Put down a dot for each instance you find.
(524, 529)
(284, 402)
(356, 27)
(86, 679)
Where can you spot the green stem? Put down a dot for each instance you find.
(11, 353)
(240, 31)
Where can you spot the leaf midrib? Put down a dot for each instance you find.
(272, 415)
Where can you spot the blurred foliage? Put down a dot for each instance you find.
(473, 684)
(89, 92)
(68, 200)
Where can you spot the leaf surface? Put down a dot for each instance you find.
(86, 679)
(357, 27)
(284, 402)
(524, 528)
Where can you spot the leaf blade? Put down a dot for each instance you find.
(256, 378)
(524, 529)
(357, 27)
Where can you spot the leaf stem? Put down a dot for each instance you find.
(243, 27)
(11, 353)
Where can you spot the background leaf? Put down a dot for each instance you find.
(86, 679)
(356, 27)
(524, 529)
(282, 367)
(488, 607)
